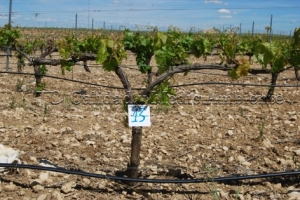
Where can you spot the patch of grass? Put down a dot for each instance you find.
(161, 109)
(23, 103)
(192, 196)
(213, 192)
(261, 128)
(18, 85)
(106, 109)
(67, 101)
(45, 109)
(125, 121)
(236, 196)
(41, 87)
(210, 172)
(12, 104)
(295, 161)
(241, 111)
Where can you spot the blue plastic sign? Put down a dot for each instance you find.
(139, 115)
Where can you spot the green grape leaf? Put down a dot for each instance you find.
(171, 91)
(102, 54)
(265, 53)
(110, 43)
(242, 70)
(278, 65)
(233, 74)
(160, 94)
(185, 73)
(64, 53)
(295, 51)
(9, 35)
(297, 36)
(43, 69)
(128, 40)
(110, 65)
(144, 68)
(139, 99)
(258, 58)
(119, 52)
(40, 87)
(295, 59)
(162, 58)
(65, 65)
(160, 40)
(143, 41)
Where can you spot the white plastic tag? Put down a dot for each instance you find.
(139, 115)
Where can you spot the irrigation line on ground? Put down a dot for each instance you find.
(118, 178)
(172, 86)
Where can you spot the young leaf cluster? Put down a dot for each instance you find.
(111, 53)
(142, 45)
(295, 49)
(247, 45)
(201, 46)
(161, 94)
(241, 69)
(228, 43)
(272, 54)
(169, 50)
(9, 35)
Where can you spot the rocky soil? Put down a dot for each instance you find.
(205, 134)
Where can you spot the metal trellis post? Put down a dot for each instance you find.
(8, 45)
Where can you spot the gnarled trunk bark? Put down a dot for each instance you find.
(19, 65)
(38, 79)
(136, 143)
(296, 69)
(272, 88)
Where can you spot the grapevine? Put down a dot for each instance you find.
(171, 50)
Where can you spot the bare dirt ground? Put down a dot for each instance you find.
(216, 136)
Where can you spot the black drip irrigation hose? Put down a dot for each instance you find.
(171, 86)
(117, 178)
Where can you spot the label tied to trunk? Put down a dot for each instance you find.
(139, 115)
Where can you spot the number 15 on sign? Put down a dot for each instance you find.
(139, 115)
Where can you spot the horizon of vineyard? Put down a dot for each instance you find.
(120, 31)
(187, 15)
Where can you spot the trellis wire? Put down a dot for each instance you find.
(173, 86)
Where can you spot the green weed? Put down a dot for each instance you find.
(45, 109)
(236, 196)
(213, 192)
(23, 103)
(12, 104)
(19, 84)
(261, 128)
